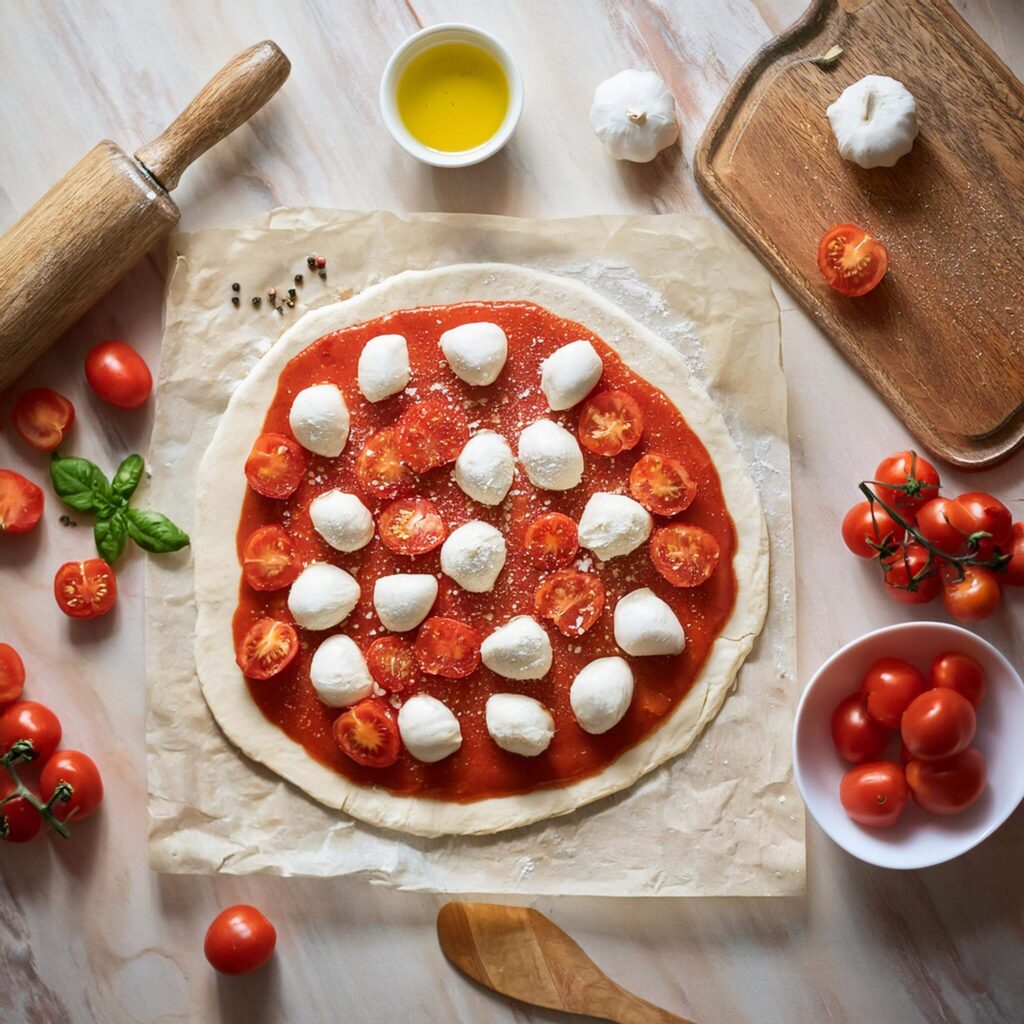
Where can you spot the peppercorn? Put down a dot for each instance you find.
(280, 310)
(311, 262)
(291, 293)
(234, 300)
(322, 274)
(321, 261)
(256, 300)
(236, 287)
(298, 279)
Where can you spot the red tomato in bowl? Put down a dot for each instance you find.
(874, 794)
(269, 559)
(949, 786)
(971, 596)
(118, 374)
(685, 555)
(888, 688)
(42, 417)
(33, 722)
(852, 261)
(572, 600)
(412, 526)
(78, 771)
(19, 820)
(447, 647)
(240, 939)
(911, 576)
(938, 724)
(906, 481)
(85, 590)
(268, 648)
(275, 466)
(12, 674)
(368, 733)
(661, 484)
(867, 524)
(21, 503)
(551, 541)
(610, 423)
(856, 735)
(956, 671)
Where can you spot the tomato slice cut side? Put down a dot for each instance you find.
(412, 526)
(685, 555)
(42, 417)
(368, 733)
(269, 559)
(572, 600)
(661, 484)
(610, 423)
(276, 466)
(447, 647)
(392, 663)
(21, 503)
(269, 647)
(852, 261)
(86, 589)
(431, 434)
(380, 471)
(552, 541)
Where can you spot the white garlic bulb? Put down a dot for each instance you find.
(874, 121)
(634, 115)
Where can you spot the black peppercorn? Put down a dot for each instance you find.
(236, 287)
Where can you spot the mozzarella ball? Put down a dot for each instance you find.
(476, 352)
(485, 467)
(383, 368)
(338, 672)
(403, 601)
(521, 649)
(645, 625)
(519, 724)
(322, 596)
(613, 525)
(569, 374)
(551, 456)
(319, 419)
(428, 729)
(342, 520)
(473, 556)
(600, 694)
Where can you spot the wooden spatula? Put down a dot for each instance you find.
(520, 953)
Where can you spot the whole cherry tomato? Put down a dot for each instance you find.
(939, 522)
(888, 688)
(987, 515)
(950, 786)
(79, 772)
(959, 672)
(12, 674)
(21, 503)
(972, 596)
(911, 576)
(239, 940)
(868, 527)
(85, 590)
(851, 260)
(856, 735)
(938, 724)
(907, 480)
(1013, 573)
(19, 820)
(31, 721)
(874, 794)
(42, 417)
(118, 374)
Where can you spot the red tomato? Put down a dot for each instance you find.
(78, 771)
(269, 559)
(851, 260)
(866, 525)
(276, 466)
(12, 674)
(368, 733)
(950, 786)
(856, 735)
(446, 647)
(85, 590)
(939, 522)
(21, 503)
(986, 514)
(551, 541)
(874, 794)
(611, 422)
(685, 555)
(888, 688)
(118, 374)
(34, 723)
(239, 940)
(431, 434)
(412, 526)
(392, 663)
(379, 468)
(960, 672)
(907, 481)
(972, 596)
(269, 647)
(661, 484)
(19, 820)
(43, 417)
(938, 724)
(1013, 572)
(572, 600)
(911, 576)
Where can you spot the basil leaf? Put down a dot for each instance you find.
(111, 535)
(127, 477)
(81, 484)
(154, 532)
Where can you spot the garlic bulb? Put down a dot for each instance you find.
(634, 115)
(874, 121)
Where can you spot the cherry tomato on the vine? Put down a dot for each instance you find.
(874, 794)
(118, 374)
(1013, 571)
(12, 674)
(939, 522)
(888, 687)
(85, 590)
(78, 771)
(19, 820)
(31, 721)
(239, 940)
(938, 724)
(867, 528)
(21, 503)
(855, 734)
(908, 481)
(42, 417)
(911, 576)
(852, 261)
(986, 514)
(972, 595)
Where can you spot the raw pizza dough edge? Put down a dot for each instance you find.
(221, 487)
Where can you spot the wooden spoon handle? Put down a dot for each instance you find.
(621, 1006)
(229, 99)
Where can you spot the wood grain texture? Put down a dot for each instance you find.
(942, 337)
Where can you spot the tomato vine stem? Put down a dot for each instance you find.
(23, 750)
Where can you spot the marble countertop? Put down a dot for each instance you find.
(87, 932)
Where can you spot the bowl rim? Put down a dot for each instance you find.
(901, 627)
(389, 91)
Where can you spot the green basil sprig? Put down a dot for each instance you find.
(82, 485)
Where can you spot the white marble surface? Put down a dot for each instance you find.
(87, 932)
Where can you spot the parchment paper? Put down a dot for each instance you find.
(722, 819)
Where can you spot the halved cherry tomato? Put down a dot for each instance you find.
(267, 648)
(85, 590)
(939, 522)
(685, 555)
(852, 261)
(392, 663)
(431, 433)
(1013, 571)
(908, 480)
(552, 541)
(888, 689)
(868, 527)
(956, 671)
(276, 466)
(572, 600)
(42, 417)
(12, 674)
(661, 484)
(856, 735)
(874, 794)
(368, 733)
(938, 724)
(985, 514)
(911, 576)
(118, 374)
(949, 786)
(379, 467)
(412, 526)
(269, 559)
(447, 647)
(31, 721)
(239, 940)
(21, 503)
(78, 771)
(611, 422)
(971, 596)
(19, 820)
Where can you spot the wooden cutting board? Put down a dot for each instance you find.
(942, 338)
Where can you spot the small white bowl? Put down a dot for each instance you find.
(918, 839)
(424, 39)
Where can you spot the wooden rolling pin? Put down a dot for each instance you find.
(88, 231)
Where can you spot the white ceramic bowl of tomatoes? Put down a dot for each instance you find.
(916, 809)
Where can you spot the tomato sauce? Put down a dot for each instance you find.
(480, 768)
